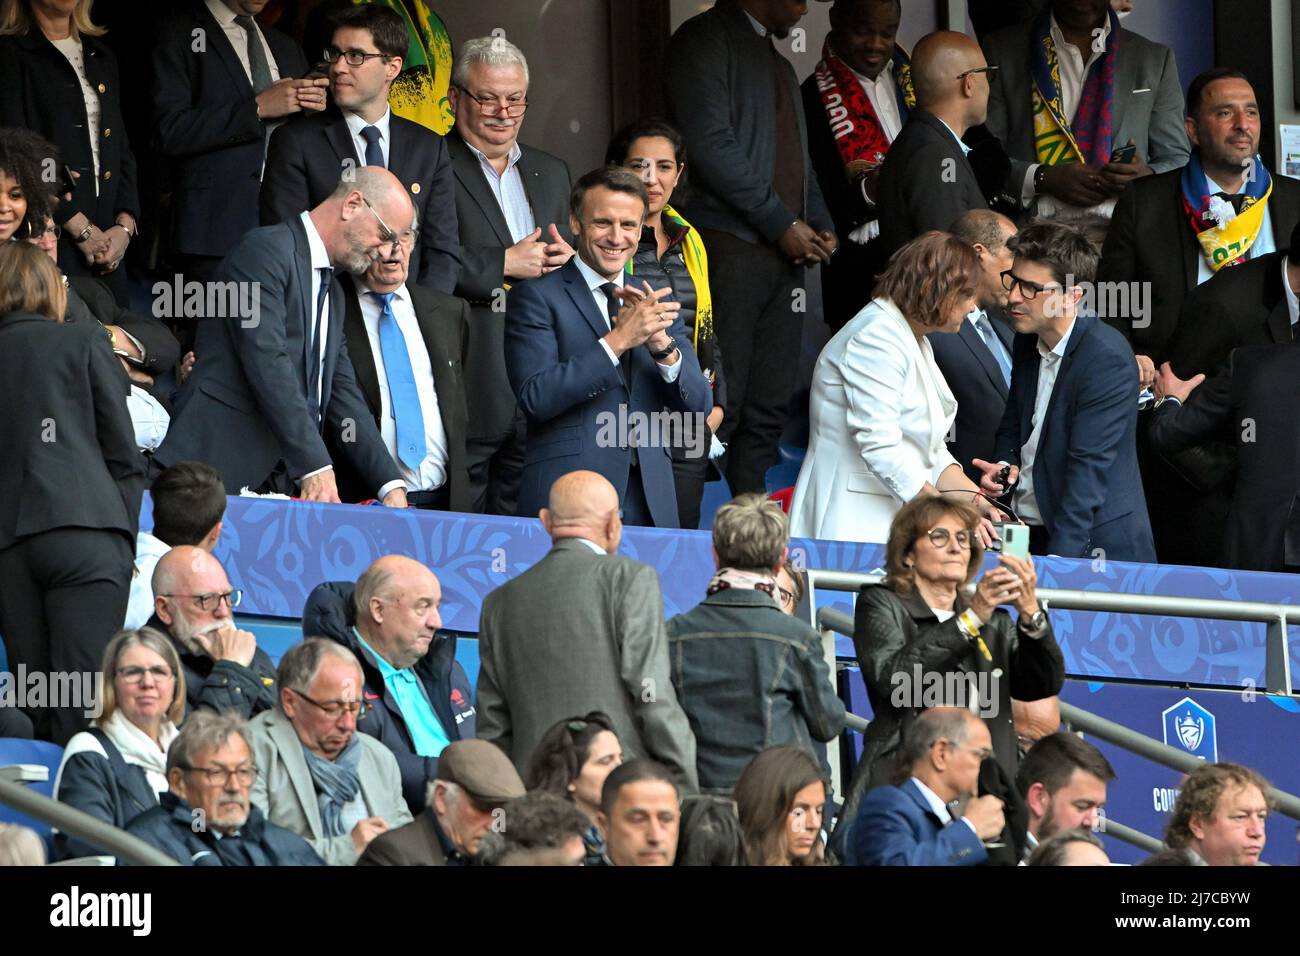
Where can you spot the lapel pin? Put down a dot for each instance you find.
(415, 188)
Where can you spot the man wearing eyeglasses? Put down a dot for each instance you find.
(317, 776)
(1066, 448)
(934, 817)
(224, 668)
(512, 211)
(308, 155)
(207, 818)
(407, 345)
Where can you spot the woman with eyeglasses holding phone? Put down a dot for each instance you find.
(115, 770)
(71, 479)
(923, 639)
(572, 760)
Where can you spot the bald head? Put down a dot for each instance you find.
(367, 210)
(189, 588)
(1036, 719)
(398, 604)
(583, 504)
(937, 61)
(180, 568)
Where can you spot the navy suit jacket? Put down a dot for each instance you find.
(976, 382)
(1086, 477)
(570, 392)
(896, 827)
(308, 155)
(205, 121)
(244, 408)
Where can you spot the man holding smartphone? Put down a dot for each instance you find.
(1066, 444)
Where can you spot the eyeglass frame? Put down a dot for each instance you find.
(947, 535)
(522, 105)
(231, 598)
(1010, 281)
(363, 708)
(392, 240)
(984, 753)
(348, 54)
(168, 674)
(213, 773)
(990, 69)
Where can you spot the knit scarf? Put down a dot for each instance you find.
(734, 578)
(697, 267)
(858, 133)
(337, 784)
(1225, 235)
(1088, 138)
(138, 748)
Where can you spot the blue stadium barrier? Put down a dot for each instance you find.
(13, 751)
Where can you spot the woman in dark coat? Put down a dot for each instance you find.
(671, 254)
(71, 479)
(60, 80)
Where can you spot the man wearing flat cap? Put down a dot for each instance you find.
(474, 779)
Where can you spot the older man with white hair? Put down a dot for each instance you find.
(317, 776)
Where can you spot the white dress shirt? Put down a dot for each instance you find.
(1049, 366)
(1074, 73)
(884, 99)
(1262, 245)
(139, 606)
(432, 473)
(74, 52)
(1292, 302)
(356, 123)
(225, 18)
(939, 807)
(594, 282)
(594, 546)
(508, 189)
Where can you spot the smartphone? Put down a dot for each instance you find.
(1124, 154)
(67, 182)
(1015, 539)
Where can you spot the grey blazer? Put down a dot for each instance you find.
(577, 632)
(286, 795)
(1148, 102)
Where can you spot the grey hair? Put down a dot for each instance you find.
(750, 532)
(375, 581)
(302, 662)
(451, 789)
(1052, 851)
(204, 730)
(947, 723)
(490, 51)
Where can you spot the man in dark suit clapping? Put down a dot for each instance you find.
(274, 381)
(307, 156)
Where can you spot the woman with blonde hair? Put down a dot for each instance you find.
(115, 770)
(71, 479)
(880, 410)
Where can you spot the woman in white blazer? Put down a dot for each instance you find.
(880, 408)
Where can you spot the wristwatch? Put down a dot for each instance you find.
(1035, 625)
(660, 356)
(1039, 175)
(85, 233)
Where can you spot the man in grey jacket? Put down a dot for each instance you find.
(757, 206)
(318, 777)
(581, 630)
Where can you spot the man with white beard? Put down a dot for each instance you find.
(193, 605)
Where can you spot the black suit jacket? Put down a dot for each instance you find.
(309, 154)
(1242, 305)
(205, 121)
(1151, 241)
(70, 458)
(484, 238)
(444, 321)
(244, 408)
(976, 382)
(39, 90)
(925, 183)
(1252, 405)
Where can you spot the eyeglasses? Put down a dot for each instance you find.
(1030, 290)
(220, 776)
(990, 70)
(490, 105)
(335, 709)
(984, 753)
(209, 602)
(939, 538)
(787, 597)
(353, 57)
(390, 238)
(134, 675)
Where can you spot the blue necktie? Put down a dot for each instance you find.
(319, 326)
(402, 395)
(995, 346)
(374, 155)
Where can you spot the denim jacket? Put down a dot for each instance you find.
(750, 677)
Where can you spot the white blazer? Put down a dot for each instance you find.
(880, 413)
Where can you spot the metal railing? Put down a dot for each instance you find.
(124, 846)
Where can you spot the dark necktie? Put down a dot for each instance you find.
(1235, 201)
(403, 397)
(319, 326)
(374, 155)
(257, 64)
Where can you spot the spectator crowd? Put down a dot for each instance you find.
(1055, 288)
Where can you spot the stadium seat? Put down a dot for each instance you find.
(15, 751)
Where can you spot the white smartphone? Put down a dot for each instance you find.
(1015, 539)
